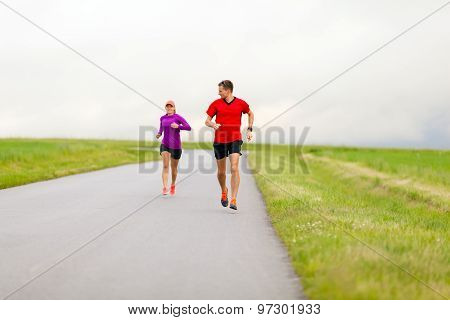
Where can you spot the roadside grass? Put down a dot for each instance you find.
(432, 166)
(24, 161)
(331, 222)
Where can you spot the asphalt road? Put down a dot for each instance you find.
(109, 234)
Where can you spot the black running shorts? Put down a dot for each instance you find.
(174, 153)
(222, 150)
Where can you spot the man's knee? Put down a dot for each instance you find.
(234, 169)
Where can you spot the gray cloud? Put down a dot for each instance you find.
(276, 52)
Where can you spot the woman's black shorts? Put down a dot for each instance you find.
(222, 150)
(174, 153)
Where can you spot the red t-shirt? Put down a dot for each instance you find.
(228, 115)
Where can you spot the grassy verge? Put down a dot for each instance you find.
(331, 221)
(431, 166)
(28, 160)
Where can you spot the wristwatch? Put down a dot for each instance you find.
(250, 129)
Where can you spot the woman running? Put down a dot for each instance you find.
(170, 150)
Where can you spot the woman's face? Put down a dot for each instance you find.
(170, 109)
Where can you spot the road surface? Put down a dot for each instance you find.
(109, 234)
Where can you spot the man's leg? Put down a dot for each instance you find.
(221, 173)
(235, 178)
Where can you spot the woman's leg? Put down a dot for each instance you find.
(165, 172)
(174, 169)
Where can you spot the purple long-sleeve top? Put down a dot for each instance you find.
(171, 137)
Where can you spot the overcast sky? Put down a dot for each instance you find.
(275, 52)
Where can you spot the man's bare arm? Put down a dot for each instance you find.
(211, 124)
(251, 118)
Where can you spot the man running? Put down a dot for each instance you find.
(228, 111)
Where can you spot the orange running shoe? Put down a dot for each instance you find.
(172, 190)
(224, 198)
(165, 191)
(233, 204)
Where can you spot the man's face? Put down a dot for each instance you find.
(224, 93)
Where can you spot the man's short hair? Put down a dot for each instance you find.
(226, 84)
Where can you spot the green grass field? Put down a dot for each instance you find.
(431, 166)
(361, 224)
(28, 160)
(353, 229)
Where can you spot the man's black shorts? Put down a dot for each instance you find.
(222, 150)
(174, 153)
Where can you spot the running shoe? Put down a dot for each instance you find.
(224, 198)
(165, 191)
(172, 190)
(233, 204)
